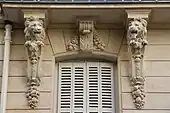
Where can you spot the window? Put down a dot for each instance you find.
(86, 87)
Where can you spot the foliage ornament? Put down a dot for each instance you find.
(87, 40)
(137, 40)
(34, 35)
(73, 45)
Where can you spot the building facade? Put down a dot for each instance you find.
(78, 56)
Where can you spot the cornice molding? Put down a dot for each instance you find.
(88, 6)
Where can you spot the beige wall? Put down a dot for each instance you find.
(156, 70)
(16, 100)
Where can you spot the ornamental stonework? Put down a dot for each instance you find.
(34, 36)
(137, 40)
(87, 40)
(73, 45)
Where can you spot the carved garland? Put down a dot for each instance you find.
(137, 40)
(34, 35)
(87, 39)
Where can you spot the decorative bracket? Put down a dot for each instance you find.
(86, 29)
(87, 40)
(34, 35)
(137, 40)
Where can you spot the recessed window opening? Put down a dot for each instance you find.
(86, 87)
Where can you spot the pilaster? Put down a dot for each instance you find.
(137, 41)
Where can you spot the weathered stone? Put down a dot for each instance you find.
(34, 35)
(136, 37)
(87, 40)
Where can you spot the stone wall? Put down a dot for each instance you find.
(1, 54)
(156, 71)
(16, 99)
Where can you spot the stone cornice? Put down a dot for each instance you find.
(88, 6)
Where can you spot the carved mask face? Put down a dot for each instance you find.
(135, 27)
(36, 28)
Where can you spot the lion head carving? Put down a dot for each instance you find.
(34, 29)
(137, 32)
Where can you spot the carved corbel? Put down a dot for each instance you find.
(137, 40)
(34, 44)
(87, 39)
(86, 29)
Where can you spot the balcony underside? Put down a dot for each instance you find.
(85, 1)
(112, 18)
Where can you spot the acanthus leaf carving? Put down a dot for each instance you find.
(87, 40)
(137, 40)
(73, 45)
(34, 35)
(97, 43)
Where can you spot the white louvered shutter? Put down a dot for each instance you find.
(86, 88)
(93, 87)
(100, 87)
(72, 86)
(65, 88)
(106, 88)
(79, 88)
